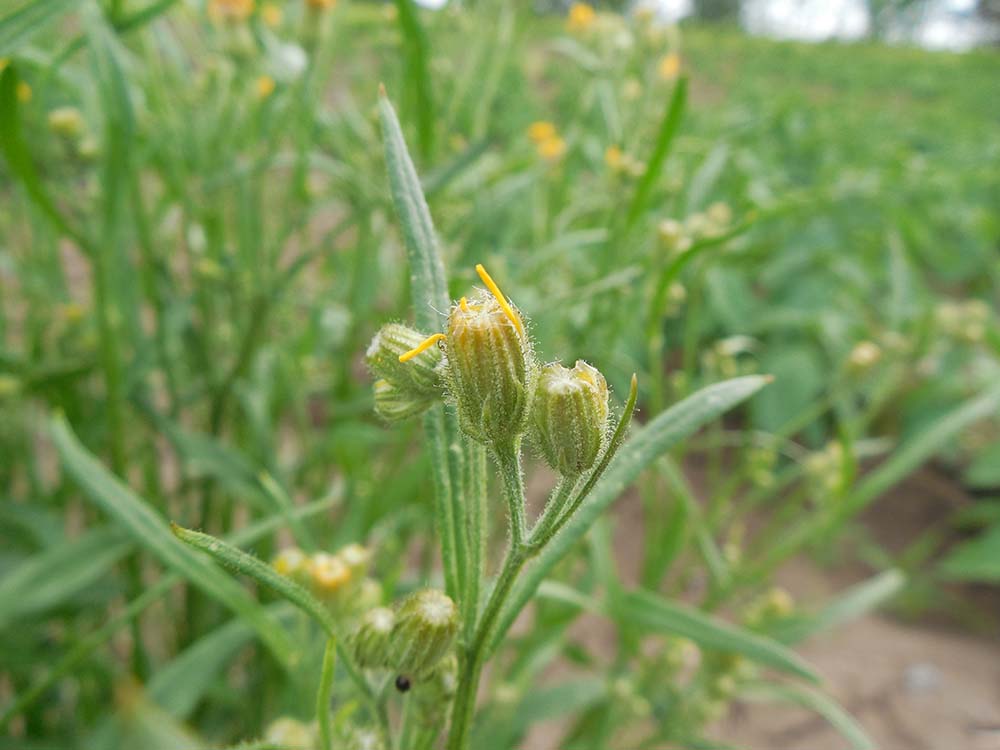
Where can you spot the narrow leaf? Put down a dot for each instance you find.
(814, 701)
(429, 284)
(654, 165)
(27, 19)
(149, 530)
(248, 565)
(644, 609)
(54, 576)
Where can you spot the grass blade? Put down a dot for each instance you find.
(644, 609)
(815, 701)
(149, 530)
(429, 284)
(27, 19)
(654, 166)
(418, 80)
(52, 577)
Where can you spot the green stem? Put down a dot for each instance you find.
(508, 458)
(543, 530)
(468, 686)
(323, 694)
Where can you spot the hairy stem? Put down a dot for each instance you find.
(508, 459)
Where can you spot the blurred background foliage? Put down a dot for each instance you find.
(197, 244)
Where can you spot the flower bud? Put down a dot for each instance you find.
(66, 122)
(363, 739)
(570, 416)
(289, 733)
(293, 563)
(394, 405)
(426, 623)
(432, 695)
(491, 368)
(356, 558)
(372, 637)
(330, 578)
(419, 375)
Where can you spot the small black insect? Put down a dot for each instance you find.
(402, 683)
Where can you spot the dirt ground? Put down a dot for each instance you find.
(922, 684)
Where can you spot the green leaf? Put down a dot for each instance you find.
(428, 281)
(248, 565)
(27, 19)
(15, 151)
(917, 450)
(571, 697)
(984, 471)
(815, 701)
(133, 609)
(52, 577)
(975, 560)
(646, 445)
(149, 530)
(643, 609)
(654, 165)
(851, 604)
(180, 685)
(418, 80)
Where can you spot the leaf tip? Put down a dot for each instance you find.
(381, 90)
(768, 379)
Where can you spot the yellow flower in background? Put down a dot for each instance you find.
(4, 62)
(264, 86)
(271, 14)
(321, 4)
(541, 131)
(581, 17)
(552, 149)
(670, 66)
(230, 10)
(66, 121)
(24, 92)
(614, 157)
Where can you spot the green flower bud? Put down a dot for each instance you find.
(491, 368)
(356, 558)
(372, 637)
(432, 695)
(289, 733)
(293, 563)
(425, 628)
(419, 376)
(570, 416)
(363, 739)
(393, 404)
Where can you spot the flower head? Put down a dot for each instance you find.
(581, 17)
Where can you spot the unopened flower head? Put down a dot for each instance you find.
(371, 639)
(66, 122)
(433, 694)
(356, 558)
(670, 66)
(330, 577)
(290, 562)
(491, 368)
(264, 86)
(289, 733)
(420, 374)
(570, 416)
(395, 405)
(542, 130)
(424, 631)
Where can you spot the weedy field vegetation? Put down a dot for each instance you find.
(240, 296)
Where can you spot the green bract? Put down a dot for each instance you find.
(424, 631)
